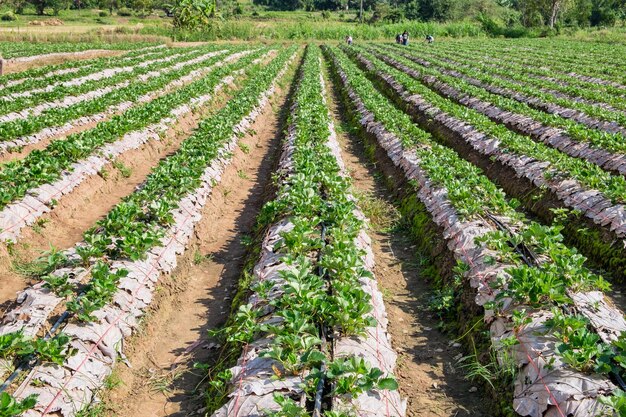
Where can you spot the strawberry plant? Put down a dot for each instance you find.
(10, 407)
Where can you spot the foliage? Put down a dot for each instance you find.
(10, 407)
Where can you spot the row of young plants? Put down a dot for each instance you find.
(42, 199)
(467, 82)
(312, 304)
(590, 115)
(56, 122)
(542, 177)
(106, 77)
(518, 73)
(68, 71)
(568, 60)
(45, 71)
(600, 148)
(38, 302)
(47, 165)
(601, 93)
(81, 71)
(520, 272)
(588, 174)
(29, 49)
(154, 70)
(557, 68)
(159, 218)
(105, 99)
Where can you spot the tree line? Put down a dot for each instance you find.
(493, 14)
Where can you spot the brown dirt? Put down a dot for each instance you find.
(427, 369)
(22, 152)
(12, 66)
(64, 226)
(162, 381)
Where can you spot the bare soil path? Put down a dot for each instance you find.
(427, 369)
(76, 212)
(197, 297)
(12, 66)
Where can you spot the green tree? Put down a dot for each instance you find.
(194, 14)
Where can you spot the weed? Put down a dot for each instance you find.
(244, 148)
(125, 171)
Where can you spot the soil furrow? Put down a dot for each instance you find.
(65, 224)
(427, 370)
(197, 297)
(18, 66)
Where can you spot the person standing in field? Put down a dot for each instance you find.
(398, 39)
(349, 40)
(405, 38)
(430, 39)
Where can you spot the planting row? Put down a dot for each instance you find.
(108, 279)
(41, 73)
(34, 50)
(55, 118)
(548, 128)
(75, 71)
(313, 330)
(556, 337)
(45, 176)
(561, 82)
(510, 84)
(58, 121)
(570, 60)
(543, 177)
(107, 76)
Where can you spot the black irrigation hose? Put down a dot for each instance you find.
(619, 380)
(28, 362)
(524, 251)
(325, 336)
(528, 256)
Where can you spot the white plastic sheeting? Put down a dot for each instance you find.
(17, 215)
(592, 203)
(545, 385)
(71, 387)
(68, 101)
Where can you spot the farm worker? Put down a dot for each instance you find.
(430, 39)
(405, 38)
(349, 40)
(398, 38)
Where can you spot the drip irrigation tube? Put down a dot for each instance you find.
(28, 362)
(528, 256)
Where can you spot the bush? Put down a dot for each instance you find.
(325, 14)
(8, 17)
(124, 11)
(103, 13)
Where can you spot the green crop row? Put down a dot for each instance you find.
(561, 165)
(613, 142)
(545, 285)
(321, 287)
(19, 103)
(44, 166)
(58, 116)
(129, 233)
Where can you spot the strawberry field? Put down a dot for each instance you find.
(210, 230)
